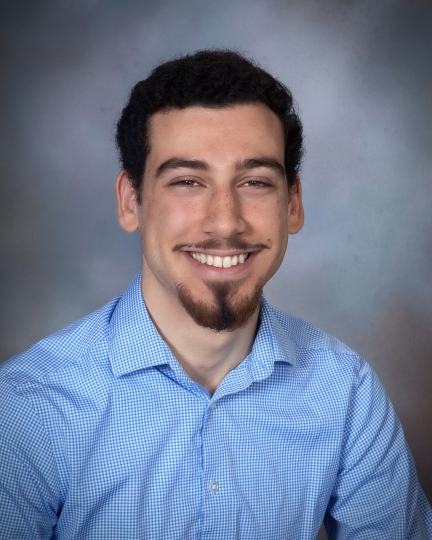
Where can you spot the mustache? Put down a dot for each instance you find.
(230, 243)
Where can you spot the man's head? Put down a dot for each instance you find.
(208, 78)
(210, 161)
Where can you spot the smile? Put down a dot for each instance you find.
(220, 262)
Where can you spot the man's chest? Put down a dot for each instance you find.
(160, 461)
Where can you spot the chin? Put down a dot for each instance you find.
(228, 311)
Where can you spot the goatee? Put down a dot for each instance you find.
(227, 312)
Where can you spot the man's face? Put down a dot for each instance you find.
(215, 213)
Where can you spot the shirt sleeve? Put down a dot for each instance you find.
(29, 489)
(376, 494)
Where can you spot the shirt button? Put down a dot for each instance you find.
(213, 406)
(214, 486)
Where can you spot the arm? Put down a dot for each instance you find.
(376, 494)
(29, 490)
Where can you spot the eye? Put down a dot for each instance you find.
(186, 182)
(256, 183)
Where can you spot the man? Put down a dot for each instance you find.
(189, 408)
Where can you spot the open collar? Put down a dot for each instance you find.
(135, 343)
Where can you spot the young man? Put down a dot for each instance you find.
(189, 408)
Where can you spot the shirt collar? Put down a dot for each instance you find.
(136, 344)
(134, 341)
(272, 344)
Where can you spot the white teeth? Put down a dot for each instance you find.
(226, 262)
(220, 262)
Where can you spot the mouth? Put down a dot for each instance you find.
(220, 262)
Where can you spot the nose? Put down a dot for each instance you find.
(223, 217)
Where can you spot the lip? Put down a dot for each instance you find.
(213, 271)
(218, 253)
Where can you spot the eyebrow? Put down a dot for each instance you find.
(245, 164)
(181, 163)
(255, 163)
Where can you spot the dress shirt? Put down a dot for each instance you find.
(104, 436)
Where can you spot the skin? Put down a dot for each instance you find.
(223, 197)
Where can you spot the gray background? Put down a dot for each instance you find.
(361, 73)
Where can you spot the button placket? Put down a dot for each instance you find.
(214, 486)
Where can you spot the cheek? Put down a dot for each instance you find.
(180, 217)
(271, 221)
(167, 217)
(282, 213)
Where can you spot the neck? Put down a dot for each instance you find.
(205, 355)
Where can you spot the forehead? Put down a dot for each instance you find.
(227, 133)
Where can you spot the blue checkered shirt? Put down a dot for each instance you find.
(104, 436)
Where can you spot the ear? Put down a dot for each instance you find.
(295, 208)
(127, 205)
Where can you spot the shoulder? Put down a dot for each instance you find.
(52, 378)
(316, 348)
(57, 351)
(307, 336)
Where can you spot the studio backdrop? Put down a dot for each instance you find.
(360, 71)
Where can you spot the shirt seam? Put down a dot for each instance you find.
(48, 438)
(42, 377)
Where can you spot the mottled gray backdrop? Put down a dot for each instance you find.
(361, 73)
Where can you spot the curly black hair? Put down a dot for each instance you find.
(208, 78)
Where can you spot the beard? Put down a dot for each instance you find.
(228, 311)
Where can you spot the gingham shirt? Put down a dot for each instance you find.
(103, 436)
